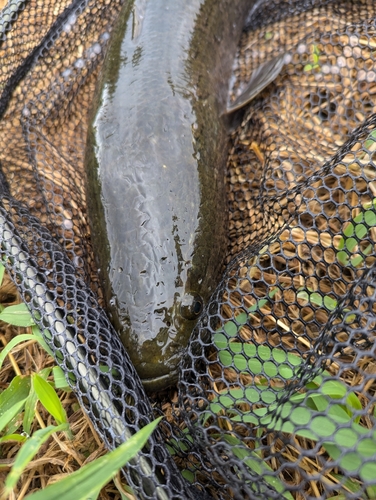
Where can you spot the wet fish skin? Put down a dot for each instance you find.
(155, 164)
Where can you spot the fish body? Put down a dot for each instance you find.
(155, 164)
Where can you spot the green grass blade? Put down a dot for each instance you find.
(2, 270)
(26, 454)
(86, 482)
(41, 340)
(59, 379)
(13, 399)
(9, 414)
(254, 462)
(17, 390)
(18, 315)
(29, 413)
(49, 399)
(371, 492)
(13, 437)
(12, 344)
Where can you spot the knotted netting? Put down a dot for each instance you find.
(276, 397)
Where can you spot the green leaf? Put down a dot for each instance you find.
(31, 401)
(238, 361)
(105, 369)
(2, 271)
(370, 140)
(15, 341)
(257, 464)
(13, 437)
(29, 413)
(351, 244)
(179, 444)
(220, 340)
(26, 454)
(49, 399)
(9, 414)
(230, 328)
(317, 300)
(348, 483)
(188, 475)
(330, 303)
(354, 402)
(334, 389)
(343, 258)
(370, 218)
(59, 379)
(348, 231)
(85, 482)
(317, 402)
(304, 421)
(360, 230)
(12, 400)
(371, 492)
(17, 390)
(18, 315)
(38, 334)
(249, 362)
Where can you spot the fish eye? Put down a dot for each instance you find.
(191, 306)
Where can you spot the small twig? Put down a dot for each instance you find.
(254, 147)
(26, 484)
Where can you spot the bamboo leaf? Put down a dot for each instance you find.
(2, 271)
(86, 482)
(38, 334)
(9, 414)
(13, 399)
(13, 437)
(27, 452)
(49, 399)
(29, 413)
(17, 315)
(258, 465)
(59, 379)
(12, 344)
(17, 390)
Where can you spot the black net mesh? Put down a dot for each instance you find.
(276, 397)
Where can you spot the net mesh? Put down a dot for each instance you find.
(276, 397)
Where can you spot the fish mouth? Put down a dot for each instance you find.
(156, 384)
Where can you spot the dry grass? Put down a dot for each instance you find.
(298, 124)
(58, 456)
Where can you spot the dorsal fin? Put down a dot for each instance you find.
(260, 78)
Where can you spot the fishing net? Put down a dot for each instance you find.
(276, 397)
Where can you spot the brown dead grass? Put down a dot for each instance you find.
(295, 114)
(59, 456)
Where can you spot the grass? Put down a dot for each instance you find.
(299, 413)
(39, 401)
(325, 410)
(34, 411)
